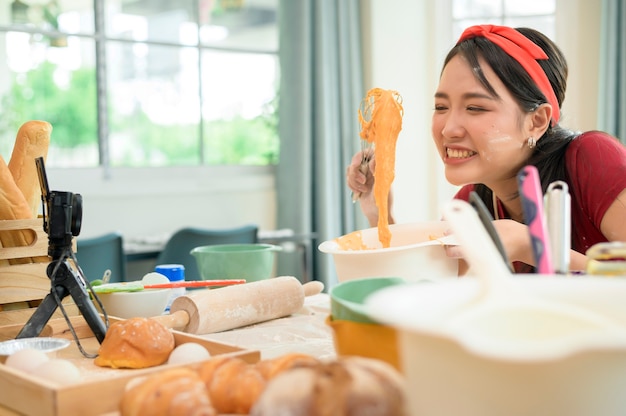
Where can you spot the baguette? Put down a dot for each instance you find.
(13, 206)
(32, 141)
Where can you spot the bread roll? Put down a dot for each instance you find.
(135, 343)
(234, 385)
(348, 386)
(270, 368)
(174, 392)
(32, 141)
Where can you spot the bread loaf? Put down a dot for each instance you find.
(135, 343)
(174, 392)
(348, 386)
(32, 141)
(13, 206)
(20, 191)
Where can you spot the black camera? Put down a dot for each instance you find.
(62, 215)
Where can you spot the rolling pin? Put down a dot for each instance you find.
(216, 310)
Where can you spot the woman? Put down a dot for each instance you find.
(496, 110)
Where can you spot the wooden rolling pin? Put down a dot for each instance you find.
(215, 310)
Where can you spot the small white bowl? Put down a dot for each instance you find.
(47, 345)
(145, 303)
(413, 254)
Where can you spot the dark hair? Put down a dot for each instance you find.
(548, 155)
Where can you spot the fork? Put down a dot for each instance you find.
(366, 109)
(367, 150)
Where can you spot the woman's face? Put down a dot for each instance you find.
(480, 137)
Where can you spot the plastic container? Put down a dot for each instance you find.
(175, 273)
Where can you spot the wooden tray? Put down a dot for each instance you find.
(100, 389)
(22, 287)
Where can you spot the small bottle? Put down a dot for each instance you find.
(175, 273)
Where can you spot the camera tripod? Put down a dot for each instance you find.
(62, 217)
(64, 281)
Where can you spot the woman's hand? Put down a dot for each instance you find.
(362, 184)
(515, 238)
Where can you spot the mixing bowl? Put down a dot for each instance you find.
(354, 331)
(365, 340)
(145, 303)
(347, 299)
(586, 377)
(252, 262)
(414, 253)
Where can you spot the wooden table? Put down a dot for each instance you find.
(304, 331)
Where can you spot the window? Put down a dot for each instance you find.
(537, 14)
(141, 83)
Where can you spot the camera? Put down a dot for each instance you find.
(62, 215)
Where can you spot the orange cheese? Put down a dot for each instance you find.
(381, 122)
(352, 241)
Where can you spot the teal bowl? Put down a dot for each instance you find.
(252, 262)
(347, 299)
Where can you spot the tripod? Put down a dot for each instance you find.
(64, 281)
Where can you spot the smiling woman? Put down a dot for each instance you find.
(497, 110)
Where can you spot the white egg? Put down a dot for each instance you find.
(188, 352)
(58, 371)
(27, 359)
(154, 278)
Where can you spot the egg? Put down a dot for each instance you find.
(58, 371)
(27, 359)
(188, 352)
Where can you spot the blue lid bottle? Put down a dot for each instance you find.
(175, 273)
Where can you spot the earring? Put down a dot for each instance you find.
(531, 142)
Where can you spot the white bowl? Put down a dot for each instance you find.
(407, 257)
(587, 377)
(145, 303)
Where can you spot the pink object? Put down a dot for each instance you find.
(532, 204)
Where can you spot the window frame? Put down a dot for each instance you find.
(101, 41)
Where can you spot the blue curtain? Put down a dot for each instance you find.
(612, 100)
(321, 88)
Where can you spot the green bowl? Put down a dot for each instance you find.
(347, 299)
(252, 262)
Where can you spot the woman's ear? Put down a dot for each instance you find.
(539, 121)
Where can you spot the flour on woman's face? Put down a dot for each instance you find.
(478, 135)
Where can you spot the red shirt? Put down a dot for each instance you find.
(596, 175)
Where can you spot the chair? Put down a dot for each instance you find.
(96, 255)
(178, 247)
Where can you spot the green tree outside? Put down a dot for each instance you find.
(72, 111)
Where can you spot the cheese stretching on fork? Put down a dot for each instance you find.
(381, 122)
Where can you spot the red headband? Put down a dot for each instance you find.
(524, 51)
